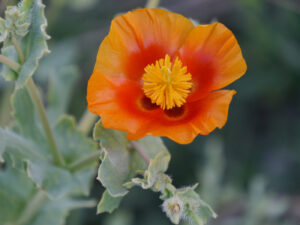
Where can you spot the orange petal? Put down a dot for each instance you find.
(118, 103)
(213, 57)
(201, 117)
(139, 38)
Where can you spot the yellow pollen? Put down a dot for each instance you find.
(167, 84)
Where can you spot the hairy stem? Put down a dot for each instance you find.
(8, 62)
(18, 49)
(31, 208)
(141, 151)
(87, 121)
(84, 162)
(58, 159)
(152, 4)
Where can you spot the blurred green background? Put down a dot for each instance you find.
(250, 170)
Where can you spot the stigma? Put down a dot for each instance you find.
(167, 83)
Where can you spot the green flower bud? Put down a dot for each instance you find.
(14, 25)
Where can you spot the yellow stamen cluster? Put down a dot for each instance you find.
(167, 84)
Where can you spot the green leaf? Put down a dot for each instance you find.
(29, 150)
(56, 212)
(34, 44)
(119, 162)
(152, 146)
(154, 176)
(108, 203)
(17, 191)
(27, 120)
(54, 180)
(13, 198)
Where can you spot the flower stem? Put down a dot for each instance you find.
(84, 162)
(18, 49)
(31, 209)
(8, 62)
(58, 159)
(141, 151)
(87, 121)
(152, 4)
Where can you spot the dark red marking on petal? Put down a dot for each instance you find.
(176, 112)
(147, 104)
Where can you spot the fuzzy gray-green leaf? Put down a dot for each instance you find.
(119, 162)
(17, 191)
(29, 150)
(154, 176)
(108, 203)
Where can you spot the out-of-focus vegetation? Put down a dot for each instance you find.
(250, 170)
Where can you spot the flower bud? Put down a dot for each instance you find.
(174, 209)
(15, 24)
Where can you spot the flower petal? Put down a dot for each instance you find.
(139, 38)
(213, 57)
(118, 103)
(201, 117)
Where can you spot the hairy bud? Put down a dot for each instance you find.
(14, 25)
(174, 208)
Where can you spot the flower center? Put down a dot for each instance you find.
(167, 84)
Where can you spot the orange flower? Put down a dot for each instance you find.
(158, 74)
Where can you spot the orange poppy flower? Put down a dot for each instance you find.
(158, 74)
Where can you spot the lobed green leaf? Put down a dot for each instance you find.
(119, 161)
(108, 203)
(15, 201)
(29, 150)
(34, 44)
